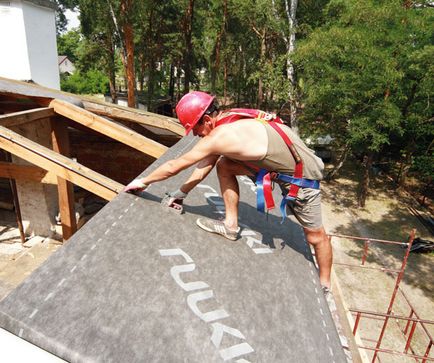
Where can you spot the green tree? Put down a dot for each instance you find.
(99, 46)
(356, 74)
(62, 6)
(90, 82)
(68, 44)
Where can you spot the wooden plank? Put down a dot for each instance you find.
(26, 172)
(39, 94)
(60, 139)
(58, 164)
(109, 128)
(138, 116)
(19, 118)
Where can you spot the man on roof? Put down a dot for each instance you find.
(255, 144)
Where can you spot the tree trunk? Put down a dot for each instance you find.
(406, 163)
(151, 84)
(112, 85)
(111, 69)
(240, 74)
(291, 14)
(364, 184)
(263, 51)
(172, 83)
(289, 39)
(404, 169)
(178, 82)
(216, 52)
(225, 82)
(151, 62)
(141, 72)
(126, 8)
(331, 175)
(188, 53)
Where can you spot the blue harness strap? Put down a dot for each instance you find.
(260, 199)
(263, 197)
(301, 182)
(283, 204)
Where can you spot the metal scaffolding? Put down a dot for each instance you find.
(411, 322)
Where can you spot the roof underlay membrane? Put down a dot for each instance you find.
(140, 283)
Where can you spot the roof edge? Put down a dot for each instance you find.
(43, 3)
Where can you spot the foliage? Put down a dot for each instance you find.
(363, 69)
(424, 165)
(367, 76)
(68, 44)
(369, 70)
(90, 82)
(62, 6)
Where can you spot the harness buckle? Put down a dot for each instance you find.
(273, 175)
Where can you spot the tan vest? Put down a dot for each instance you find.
(279, 159)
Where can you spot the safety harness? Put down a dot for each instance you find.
(265, 178)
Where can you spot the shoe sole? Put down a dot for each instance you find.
(214, 231)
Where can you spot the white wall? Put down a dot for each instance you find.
(14, 59)
(28, 48)
(41, 42)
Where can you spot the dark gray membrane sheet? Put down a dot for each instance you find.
(139, 283)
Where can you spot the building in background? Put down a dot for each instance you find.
(65, 65)
(28, 42)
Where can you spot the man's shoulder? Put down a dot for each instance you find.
(246, 123)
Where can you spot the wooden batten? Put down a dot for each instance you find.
(26, 172)
(109, 128)
(58, 164)
(138, 116)
(19, 118)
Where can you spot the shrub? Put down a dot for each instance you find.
(90, 82)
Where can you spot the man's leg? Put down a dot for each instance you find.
(227, 170)
(307, 209)
(323, 252)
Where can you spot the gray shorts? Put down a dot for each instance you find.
(307, 208)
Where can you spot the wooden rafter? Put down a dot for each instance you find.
(138, 116)
(18, 118)
(109, 128)
(26, 172)
(58, 164)
(60, 139)
(43, 96)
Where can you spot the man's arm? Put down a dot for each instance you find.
(176, 198)
(205, 148)
(202, 170)
(202, 150)
(212, 146)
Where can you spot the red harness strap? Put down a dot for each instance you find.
(235, 114)
(268, 190)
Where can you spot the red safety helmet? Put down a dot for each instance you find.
(191, 107)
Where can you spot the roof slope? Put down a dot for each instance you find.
(140, 283)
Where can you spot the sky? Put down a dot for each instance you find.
(73, 21)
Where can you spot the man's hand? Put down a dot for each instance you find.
(174, 200)
(136, 186)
